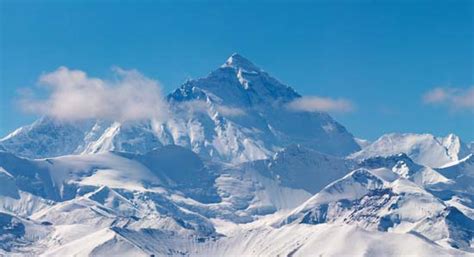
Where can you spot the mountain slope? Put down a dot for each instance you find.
(381, 199)
(170, 201)
(47, 137)
(299, 167)
(264, 123)
(424, 149)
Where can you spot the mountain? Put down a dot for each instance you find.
(237, 113)
(167, 193)
(46, 137)
(232, 172)
(172, 202)
(386, 199)
(424, 149)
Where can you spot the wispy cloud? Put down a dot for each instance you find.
(230, 111)
(320, 104)
(192, 106)
(73, 95)
(454, 98)
(201, 106)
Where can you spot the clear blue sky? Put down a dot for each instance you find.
(381, 56)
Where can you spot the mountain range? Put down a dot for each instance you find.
(232, 171)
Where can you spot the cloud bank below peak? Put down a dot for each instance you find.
(73, 95)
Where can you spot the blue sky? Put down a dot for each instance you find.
(382, 56)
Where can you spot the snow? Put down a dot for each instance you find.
(327, 240)
(170, 202)
(424, 149)
(120, 172)
(363, 143)
(96, 244)
(301, 167)
(238, 61)
(46, 137)
(383, 199)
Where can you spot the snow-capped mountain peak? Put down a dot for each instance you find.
(235, 114)
(455, 146)
(237, 61)
(238, 82)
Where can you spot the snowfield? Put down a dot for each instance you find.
(232, 173)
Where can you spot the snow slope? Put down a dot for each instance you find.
(381, 199)
(300, 240)
(300, 167)
(424, 149)
(46, 137)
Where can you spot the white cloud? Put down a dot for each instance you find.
(230, 111)
(201, 106)
(320, 104)
(73, 95)
(455, 98)
(193, 106)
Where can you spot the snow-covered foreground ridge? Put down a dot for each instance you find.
(232, 173)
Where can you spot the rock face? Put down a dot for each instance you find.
(237, 113)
